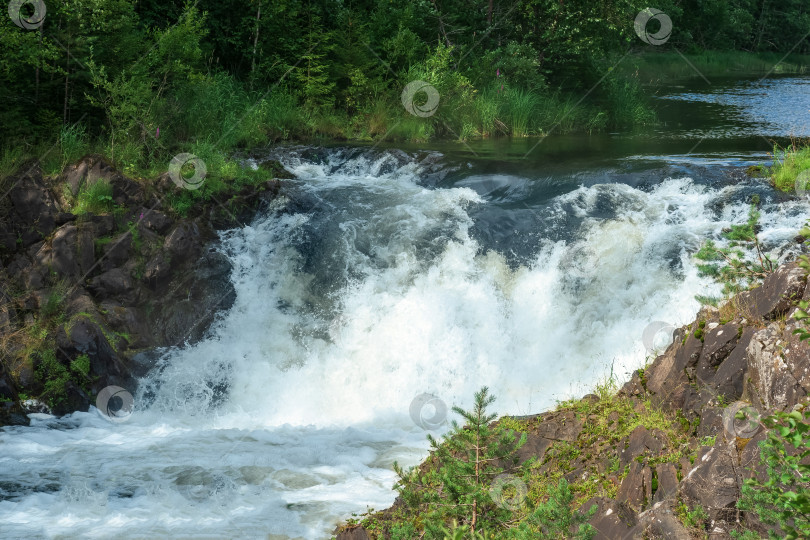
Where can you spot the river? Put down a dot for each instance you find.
(390, 271)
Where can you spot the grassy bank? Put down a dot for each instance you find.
(660, 67)
(584, 462)
(791, 167)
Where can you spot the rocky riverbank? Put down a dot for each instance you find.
(665, 457)
(97, 271)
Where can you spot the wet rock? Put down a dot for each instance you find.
(11, 414)
(73, 399)
(157, 270)
(776, 295)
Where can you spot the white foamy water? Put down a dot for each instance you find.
(363, 291)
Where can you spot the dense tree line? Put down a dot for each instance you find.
(241, 72)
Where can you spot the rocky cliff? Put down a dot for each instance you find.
(86, 296)
(665, 456)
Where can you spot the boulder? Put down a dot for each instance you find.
(184, 240)
(113, 283)
(59, 255)
(117, 252)
(155, 220)
(85, 336)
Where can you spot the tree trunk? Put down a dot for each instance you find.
(39, 62)
(67, 83)
(489, 14)
(255, 40)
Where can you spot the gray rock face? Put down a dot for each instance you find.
(776, 295)
(117, 284)
(777, 368)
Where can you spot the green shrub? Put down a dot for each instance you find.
(783, 500)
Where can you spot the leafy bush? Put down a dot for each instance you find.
(783, 499)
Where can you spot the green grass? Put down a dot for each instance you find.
(521, 106)
(791, 167)
(94, 199)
